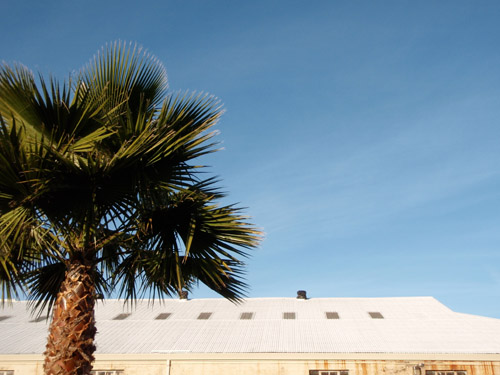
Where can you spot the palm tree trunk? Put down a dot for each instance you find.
(70, 345)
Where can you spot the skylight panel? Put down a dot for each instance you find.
(122, 316)
(39, 319)
(204, 316)
(376, 315)
(163, 316)
(288, 315)
(246, 315)
(332, 315)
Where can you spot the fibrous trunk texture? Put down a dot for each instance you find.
(70, 345)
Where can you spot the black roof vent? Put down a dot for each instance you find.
(301, 294)
(289, 315)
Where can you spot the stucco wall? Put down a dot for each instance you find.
(166, 365)
(290, 367)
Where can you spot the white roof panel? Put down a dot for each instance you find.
(410, 325)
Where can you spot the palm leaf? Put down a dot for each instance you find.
(102, 167)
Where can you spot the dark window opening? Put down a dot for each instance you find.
(328, 372)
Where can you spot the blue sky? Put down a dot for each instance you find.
(362, 136)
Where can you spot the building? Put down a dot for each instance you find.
(269, 336)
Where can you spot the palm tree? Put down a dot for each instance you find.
(99, 195)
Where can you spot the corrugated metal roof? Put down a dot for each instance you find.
(410, 325)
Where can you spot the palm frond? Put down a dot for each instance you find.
(127, 77)
(48, 111)
(185, 237)
(10, 284)
(102, 169)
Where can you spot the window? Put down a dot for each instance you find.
(376, 315)
(6, 372)
(122, 316)
(328, 372)
(163, 316)
(246, 316)
(106, 372)
(445, 372)
(332, 315)
(288, 315)
(204, 316)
